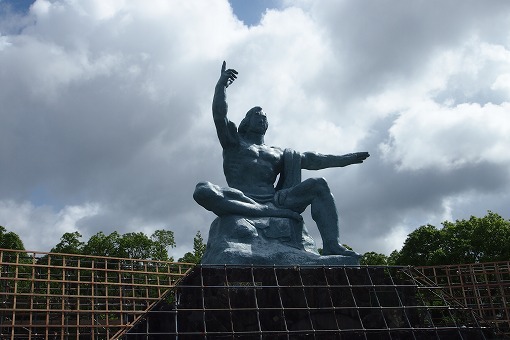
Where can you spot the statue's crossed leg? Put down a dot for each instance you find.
(287, 203)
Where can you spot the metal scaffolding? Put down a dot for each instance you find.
(484, 287)
(66, 296)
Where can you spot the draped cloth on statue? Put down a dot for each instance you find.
(290, 176)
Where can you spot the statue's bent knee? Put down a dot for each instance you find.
(203, 192)
(320, 184)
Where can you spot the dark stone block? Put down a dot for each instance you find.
(303, 302)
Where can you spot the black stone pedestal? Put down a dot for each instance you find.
(229, 302)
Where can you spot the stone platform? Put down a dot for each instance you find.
(265, 241)
(251, 302)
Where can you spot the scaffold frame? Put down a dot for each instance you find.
(66, 296)
(483, 287)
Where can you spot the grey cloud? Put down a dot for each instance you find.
(384, 42)
(376, 198)
(116, 111)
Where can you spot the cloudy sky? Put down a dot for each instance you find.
(105, 114)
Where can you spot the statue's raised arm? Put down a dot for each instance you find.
(226, 130)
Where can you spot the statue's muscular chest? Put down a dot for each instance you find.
(257, 162)
(261, 155)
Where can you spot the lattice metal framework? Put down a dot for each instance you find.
(229, 302)
(484, 287)
(65, 296)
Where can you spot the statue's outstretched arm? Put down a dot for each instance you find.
(225, 129)
(317, 161)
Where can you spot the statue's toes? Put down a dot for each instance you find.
(341, 251)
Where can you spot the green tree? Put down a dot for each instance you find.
(198, 250)
(10, 240)
(421, 247)
(103, 245)
(374, 259)
(163, 240)
(69, 244)
(392, 259)
(135, 245)
(477, 239)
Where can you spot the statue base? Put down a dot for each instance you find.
(336, 302)
(265, 241)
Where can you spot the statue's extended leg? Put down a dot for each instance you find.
(230, 201)
(315, 192)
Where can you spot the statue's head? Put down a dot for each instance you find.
(254, 121)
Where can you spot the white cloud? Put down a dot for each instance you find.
(40, 7)
(4, 42)
(41, 226)
(454, 114)
(445, 138)
(108, 101)
(502, 82)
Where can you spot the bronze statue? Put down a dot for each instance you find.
(251, 168)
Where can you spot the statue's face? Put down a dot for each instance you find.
(258, 122)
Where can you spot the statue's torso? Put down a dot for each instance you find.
(252, 168)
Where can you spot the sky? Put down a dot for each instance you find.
(105, 114)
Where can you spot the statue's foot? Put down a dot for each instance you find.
(337, 249)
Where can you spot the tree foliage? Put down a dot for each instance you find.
(198, 250)
(162, 240)
(422, 246)
(10, 240)
(392, 259)
(131, 245)
(69, 244)
(103, 245)
(374, 259)
(483, 239)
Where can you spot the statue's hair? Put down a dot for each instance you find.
(243, 126)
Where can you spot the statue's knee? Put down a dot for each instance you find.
(320, 187)
(202, 191)
(320, 184)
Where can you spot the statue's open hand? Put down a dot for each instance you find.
(358, 157)
(227, 76)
